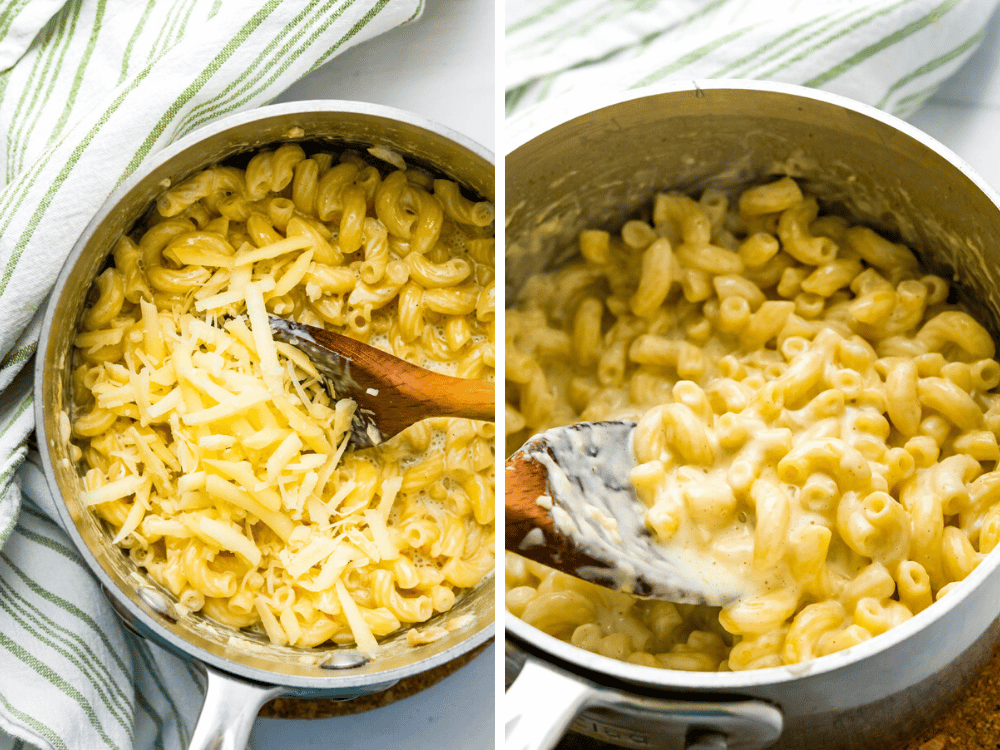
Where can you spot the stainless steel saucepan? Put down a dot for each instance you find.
(596, 168)
(243, 671)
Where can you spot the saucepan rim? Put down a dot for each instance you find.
(143, 617)
(547, 117)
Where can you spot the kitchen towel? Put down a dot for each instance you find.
(892, 54)
(88, 90)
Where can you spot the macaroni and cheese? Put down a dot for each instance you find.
(218, 456)
(813, 411)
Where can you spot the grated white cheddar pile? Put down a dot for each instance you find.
(218, 457)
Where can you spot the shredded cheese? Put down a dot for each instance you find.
(226, 537)
(243, 473)
(260, 326)
(356, 622)
(116, 490)
(248, 255)
(282, 455)
(318, 549)
(220, 488)
(269, 621)
(208, 440)
(380, 535)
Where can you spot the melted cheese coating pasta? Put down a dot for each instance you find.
(218, 457)
(812, 411)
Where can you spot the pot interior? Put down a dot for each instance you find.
(598, 169)
(334, 125)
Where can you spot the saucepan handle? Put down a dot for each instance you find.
(544, 701)
(540, 705)
(231, 704)
(230, 707)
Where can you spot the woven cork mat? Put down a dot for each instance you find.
(325, 708)
(973, 722)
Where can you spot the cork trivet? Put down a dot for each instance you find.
(973, 722)
(325, 708)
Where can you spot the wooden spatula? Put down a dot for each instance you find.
(391, 393)
(570, 504)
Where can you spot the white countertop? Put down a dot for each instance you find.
(964, 114)
(440, 67)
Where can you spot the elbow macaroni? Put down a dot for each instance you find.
(218, 457)
(810, 411)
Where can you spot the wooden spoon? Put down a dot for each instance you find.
(570, 504)
(391, 393)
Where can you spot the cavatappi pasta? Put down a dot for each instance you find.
(217, 456)
(810, 407)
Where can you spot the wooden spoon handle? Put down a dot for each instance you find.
(411, 393)
(525, 480)
(395, 392)
(436, 395)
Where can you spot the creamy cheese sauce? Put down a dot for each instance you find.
(594, 503)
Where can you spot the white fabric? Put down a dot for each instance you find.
(96, 87)
(891, 54)
(20, 22)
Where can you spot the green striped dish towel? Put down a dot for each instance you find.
(889, 53)
(88, 90)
